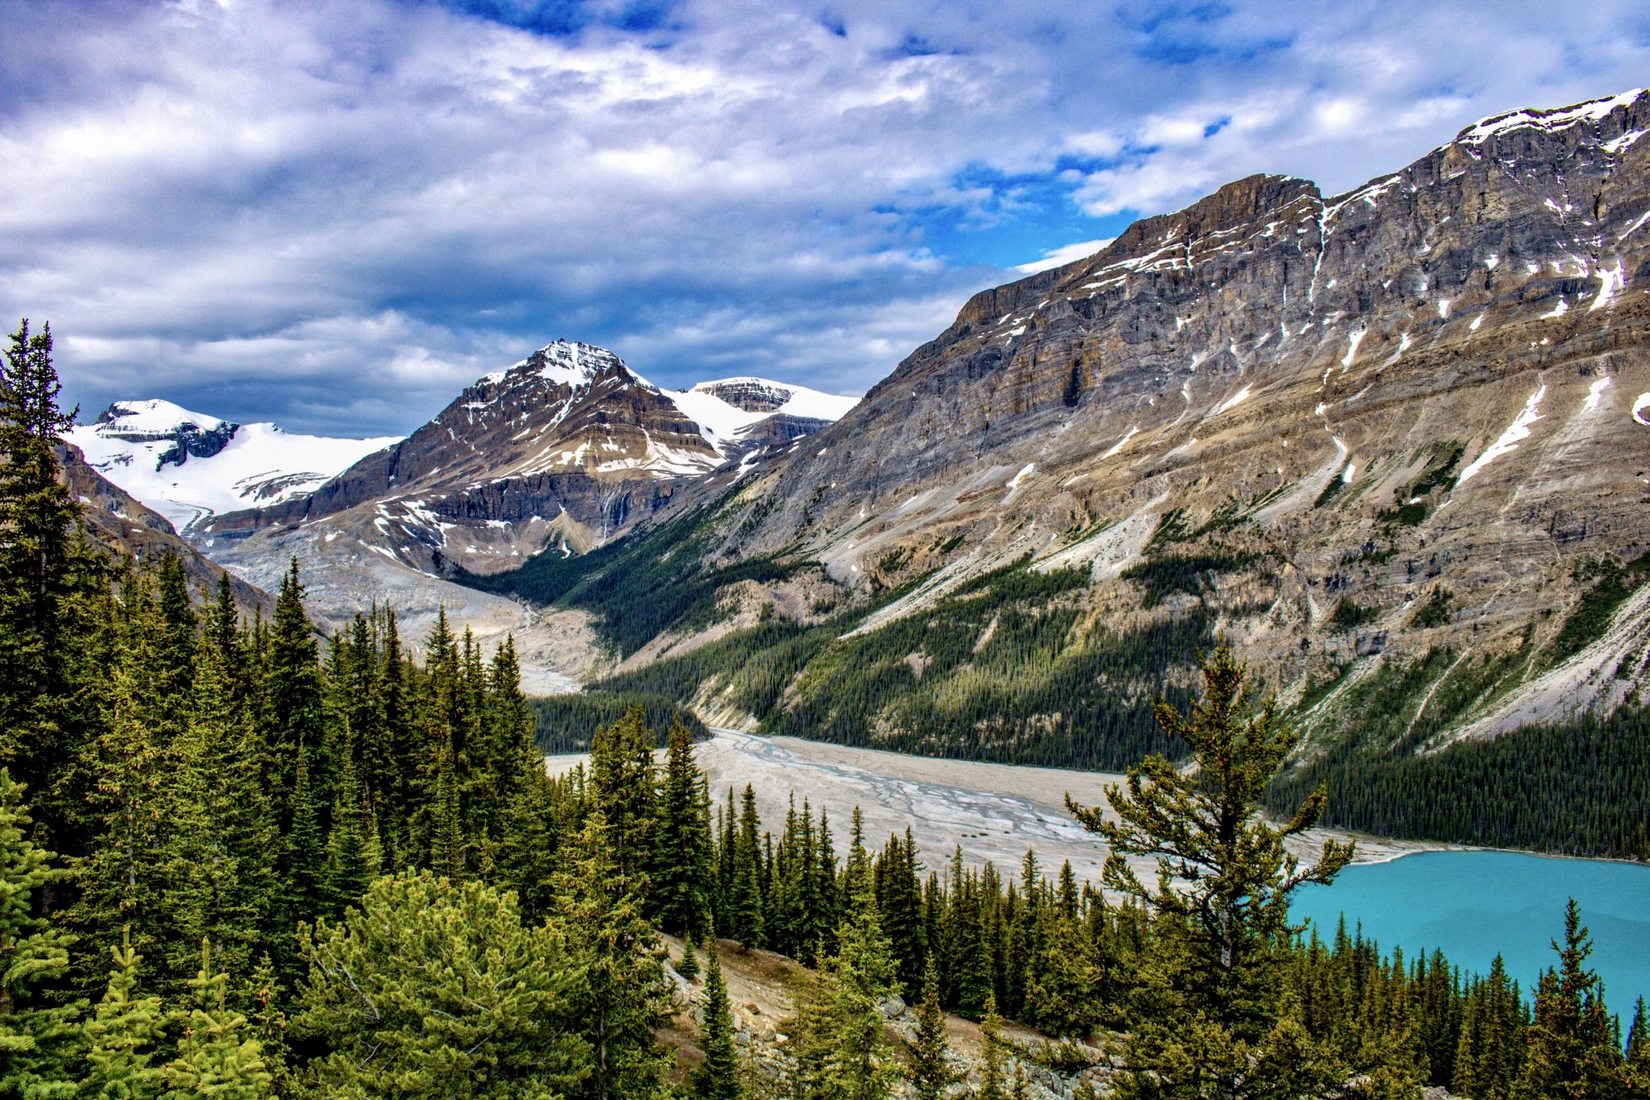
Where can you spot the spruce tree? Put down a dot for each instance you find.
(619, 994)
(218, 1056)
(42, 563)
(1572, 1052)
(680, 897)
(36, 1031)
(718, 1077)
(122, 1035)
(1212, 1014)
(931, 1073)
(842, 1050)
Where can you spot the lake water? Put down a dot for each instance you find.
(1475, 904)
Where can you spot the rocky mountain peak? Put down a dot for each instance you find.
(750, 395)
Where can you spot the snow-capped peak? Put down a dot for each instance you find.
(561, 363)
(152, 419)
(728, 408)
(1557, 119)
(188, 466)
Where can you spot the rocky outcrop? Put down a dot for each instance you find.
(1426, 385)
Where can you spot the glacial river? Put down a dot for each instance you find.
(1475, 904)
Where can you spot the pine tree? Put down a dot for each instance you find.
(718, 1078)
(1572, 1052)
(35, 1032)
(745, 915)
(1213, 1015)
(122, 1035)
(435, 989)
(217, 1056)
(1638, 1052)
(931, 1073)
(621, 772)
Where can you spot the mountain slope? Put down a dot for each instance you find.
(1394, 438)
(190, 467)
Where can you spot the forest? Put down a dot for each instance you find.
(239, 860)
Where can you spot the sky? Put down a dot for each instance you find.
(336, 215)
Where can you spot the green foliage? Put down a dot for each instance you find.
(35, 1032)
(1580, 786)
(842, 1051)
(931, 1072)
(1166, 574)
(718, 1077)
(1572, 1051)
(122, 1036)
(566, 723)
(1435, 611)
(1612, 584)
(434, 988)
(217, 1056)
(1210, 1017)
(653, 580)
(1349, 614)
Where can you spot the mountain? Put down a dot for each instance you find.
(564, 450)
(565, 447)
(1393, 443)
(125, 526)
(190, 467)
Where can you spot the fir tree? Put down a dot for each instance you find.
(41, 565)
(217, 1055)
(718, 1078)
(35, 1032)
(122, 1035)
(842, 1049)
(992, 1055)
(680, 898)
(1213, 1016)
(931, 1073)
(620, 996)
(1572, 1052)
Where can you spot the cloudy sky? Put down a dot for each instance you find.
(336, 213)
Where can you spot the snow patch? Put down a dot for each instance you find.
(1611, 281)
(1557, 311)
(1595, 394)
(1120, 444)
(1232, 402)
(1516, 432)
(1641, 409)
(1352, 342)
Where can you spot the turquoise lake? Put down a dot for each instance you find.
(1475, 904)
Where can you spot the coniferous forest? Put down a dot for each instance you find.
(239, 860)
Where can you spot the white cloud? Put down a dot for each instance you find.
(1058, 257)
(349, 207)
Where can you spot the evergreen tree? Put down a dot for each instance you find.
(1638, 1052)
(1572, 1052)
(122, 1035)
(682, 863)
(1213, 1016)
(619, 993)
(992, 1055)
(217, 1056)
(931, 1074)
(718, 1078)
(745, 909)
(35, 1031)
(435, 989)
(842, 1050)
(41, 565)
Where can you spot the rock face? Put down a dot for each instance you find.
(564, 449)
(1431, 387)
(117, 521)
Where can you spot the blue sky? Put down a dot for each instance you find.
(336, 214)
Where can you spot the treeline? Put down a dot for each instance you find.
(1580, 787)
(1004, 669)
(568, 723)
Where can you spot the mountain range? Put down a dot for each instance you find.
(1392, 443)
